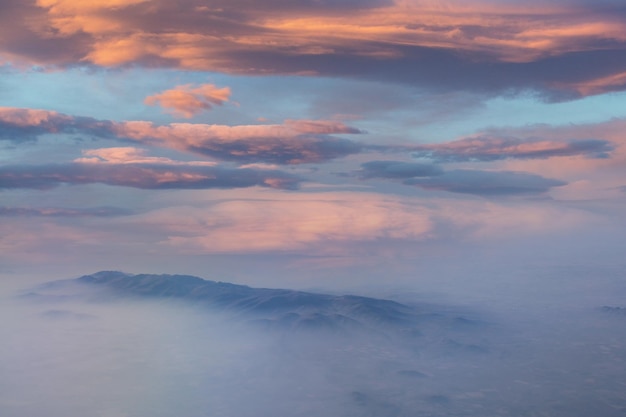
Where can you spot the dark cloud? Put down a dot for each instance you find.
(555, 78)
(19, 124)
(293, 142)
(323, 6)
(63, 212)
(493, 148)
(487, 183)
(433, 177)
(303, 149)
(500, 51)
(145, 176)
(22, 36)
(397, 170)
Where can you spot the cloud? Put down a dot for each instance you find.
(322, 227)
(492, 148)
(600, 85)
(487, 183)
(130, 155)
(397, 170)
(592, 168)
(187, 101)
(144, 176)
(476, 182)
(343, 224)
(293, 142)
(18, 124)
(291, 223)
(63, 212)
(563, 50)
(247, 144)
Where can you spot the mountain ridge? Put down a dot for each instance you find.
(281, 307)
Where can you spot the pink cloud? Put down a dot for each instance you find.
(293, 142)
(314, 224)
(290, 223)
(511, 32)
(19, 124)
(130, 155)
(187, 101)
(589, 175)
(492, 147)
(29, 239)
(336, 224)
(600, 85)
(44, 119)
(489, 220)
(577, 46)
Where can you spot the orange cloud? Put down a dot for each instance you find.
(187, 100)
(68, 17)
(487, 43)
(294, 142)
(600, 85)
(492, 147)
(130, 155)
(45, 119)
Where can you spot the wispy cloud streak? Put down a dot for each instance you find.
(19, 124)
(144, 176)
(464, 181)
(293, 142)
(63, 212)
(487, 183)
(493, 148)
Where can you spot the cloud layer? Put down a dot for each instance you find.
(63, 212)
(293, 142)
(477, 182)
(487, 183)
(565, 50)
(493, 148)
(144, 175)
(397, 170)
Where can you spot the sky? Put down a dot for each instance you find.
(312, 142)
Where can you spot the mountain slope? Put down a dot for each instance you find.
(271, 306)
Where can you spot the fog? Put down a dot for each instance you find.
(74, 350)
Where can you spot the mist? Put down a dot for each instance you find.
(73, 350)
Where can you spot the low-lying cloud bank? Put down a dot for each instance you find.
(153, 348)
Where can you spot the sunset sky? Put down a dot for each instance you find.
(311, 142)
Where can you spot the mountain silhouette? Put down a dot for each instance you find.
(272, 307)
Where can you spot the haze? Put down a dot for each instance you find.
(463, 157)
